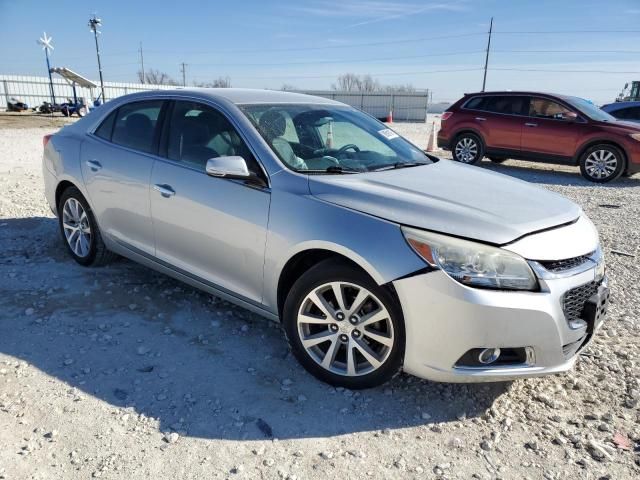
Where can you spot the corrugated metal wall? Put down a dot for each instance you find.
(35, 90)
(406, 107)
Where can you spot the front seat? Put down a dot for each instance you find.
(273, 125)
(194, 139)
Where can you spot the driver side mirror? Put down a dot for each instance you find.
(570, 117)
(234, 167)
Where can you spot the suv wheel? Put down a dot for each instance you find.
(343, 328)
(468, 149)
(80, 231)
(602, 163)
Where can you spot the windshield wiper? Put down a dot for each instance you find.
(396, 165)
(331, 169)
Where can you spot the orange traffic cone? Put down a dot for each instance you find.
(390, 117)
(431, 141)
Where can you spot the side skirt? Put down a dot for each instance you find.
(147, 260)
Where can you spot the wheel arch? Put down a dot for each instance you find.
(601, 141)
(471, 130)
(307, 258)
(61, 187)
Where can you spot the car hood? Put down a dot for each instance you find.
(626, 126)
(451, 198)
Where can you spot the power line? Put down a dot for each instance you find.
(386, 74)
(315, 62)
(564, 71)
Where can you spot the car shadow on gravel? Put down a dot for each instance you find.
(202, 367)
(556, 177)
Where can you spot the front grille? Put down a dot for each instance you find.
(573, 300)
(566, 264)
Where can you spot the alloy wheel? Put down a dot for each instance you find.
(466, 150)
(77, 229)
(345, 329)
(601, 164)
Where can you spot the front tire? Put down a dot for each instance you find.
(602, 163)
(468, 148)
(80, 231)
(344, 328)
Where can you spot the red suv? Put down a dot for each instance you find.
(541, 127)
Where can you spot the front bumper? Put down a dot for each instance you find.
(445, 319)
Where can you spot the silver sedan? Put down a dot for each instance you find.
(375, 256)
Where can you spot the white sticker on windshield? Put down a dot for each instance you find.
(388, 134)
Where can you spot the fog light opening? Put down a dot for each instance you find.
(488, 355)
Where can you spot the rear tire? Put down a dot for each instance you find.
(80, 231)
(468, 148)
(602, 163)
(351, 353)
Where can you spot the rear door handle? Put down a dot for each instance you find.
(481, 119)
(94, 165)
(165, 190)
(530, 124)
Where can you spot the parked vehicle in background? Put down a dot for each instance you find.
(541, 127)
(630, 92)
(375, 256)
(626, 111)
(15, 104)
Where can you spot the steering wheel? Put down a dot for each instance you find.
(348, 146)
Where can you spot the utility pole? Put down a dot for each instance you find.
(94, 23)
(142, 63)
(486, 60)
(183, 69)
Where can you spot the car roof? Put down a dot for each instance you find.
(518, 92)
(612, 107)
(239, 95)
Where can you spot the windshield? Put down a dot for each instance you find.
(331, 139)
(589, 109)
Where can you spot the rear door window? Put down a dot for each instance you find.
(545, 108)
(136, 125)
(507, 105)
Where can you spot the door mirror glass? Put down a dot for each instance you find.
(228, 167)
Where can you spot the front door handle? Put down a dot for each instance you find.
(165, 190)
(530, 124)
(94, 165)
(481, 119)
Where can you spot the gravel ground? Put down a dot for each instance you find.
(121, 372)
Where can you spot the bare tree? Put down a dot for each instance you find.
(288, 88)
(156, 77)
(220, 82)
(350, 82)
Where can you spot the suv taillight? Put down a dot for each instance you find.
(46, 139)
(446, 115)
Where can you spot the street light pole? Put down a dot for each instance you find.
(46, 46)
(94, 23)
(486, 59)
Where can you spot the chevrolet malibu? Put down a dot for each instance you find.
(374, 256)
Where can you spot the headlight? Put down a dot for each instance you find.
(470, 263)
(635, 136)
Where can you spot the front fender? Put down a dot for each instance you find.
(298, 223)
